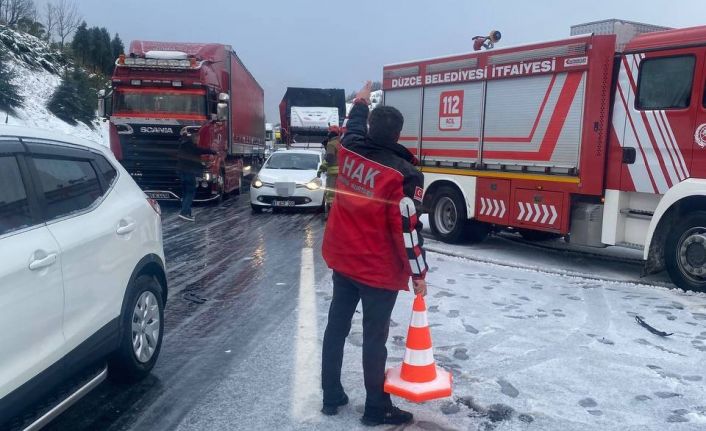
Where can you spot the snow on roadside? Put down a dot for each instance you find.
(532, 350)
(37, 87)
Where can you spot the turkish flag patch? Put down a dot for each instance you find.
(419, 194)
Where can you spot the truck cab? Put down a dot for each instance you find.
(161, 90)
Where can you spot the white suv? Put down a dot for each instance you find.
(82, 278)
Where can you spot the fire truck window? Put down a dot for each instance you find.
(665, 83)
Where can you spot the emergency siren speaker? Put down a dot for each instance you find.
(487, 42)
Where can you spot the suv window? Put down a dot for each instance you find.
(68, 185)
(14, 206)
(106, 170)
(665, 83)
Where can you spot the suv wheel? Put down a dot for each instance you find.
(142, 331)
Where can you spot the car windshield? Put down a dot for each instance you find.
(297, 161)
(159, 101)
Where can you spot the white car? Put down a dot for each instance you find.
(82, 277)
(289, 180)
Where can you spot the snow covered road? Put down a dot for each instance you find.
(530, 349)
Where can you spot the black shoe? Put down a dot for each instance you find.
(332, 409)
(389, 416)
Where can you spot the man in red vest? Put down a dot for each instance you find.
(373, 243)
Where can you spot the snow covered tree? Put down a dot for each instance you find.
(10, 97)
(75, 99)
(30, 26)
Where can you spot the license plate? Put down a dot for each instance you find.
(282, 203)
(159, 195)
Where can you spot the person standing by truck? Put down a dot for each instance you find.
(330, 165)
(373, 243)
(189, 166)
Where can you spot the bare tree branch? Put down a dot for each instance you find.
(12, 11)
(68, 19)
(49, 19)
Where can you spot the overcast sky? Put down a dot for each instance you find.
(336, 44)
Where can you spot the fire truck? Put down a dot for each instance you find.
(161, 89)
(597, 137)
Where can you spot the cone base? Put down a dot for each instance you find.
(418, 392)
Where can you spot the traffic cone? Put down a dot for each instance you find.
(418, 379)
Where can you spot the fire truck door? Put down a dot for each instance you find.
(655, 109)
(698, 164)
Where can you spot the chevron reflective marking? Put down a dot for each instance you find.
(536, 216)
(502, 209)
(554, 214)
(546, 214)
(482, 206)
(535, 213)
(496, 208)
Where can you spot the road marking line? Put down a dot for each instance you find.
(306, 396)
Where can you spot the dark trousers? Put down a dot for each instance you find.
(377, 308)
(188, 187)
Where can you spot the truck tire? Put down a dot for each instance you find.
(685, 252)
(448, 218)
(142, 331)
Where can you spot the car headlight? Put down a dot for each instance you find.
(207, 176)
(314, 184)
(257, 183)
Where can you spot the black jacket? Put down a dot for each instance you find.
(189, 157)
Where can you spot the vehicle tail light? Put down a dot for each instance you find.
(155, 206)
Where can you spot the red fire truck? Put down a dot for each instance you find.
(161, 89)
(578, 137)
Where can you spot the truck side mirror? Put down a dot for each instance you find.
(104, 104)
(222, 111)
(222, 107)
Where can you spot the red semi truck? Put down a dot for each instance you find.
(161, 89)
(595, 138)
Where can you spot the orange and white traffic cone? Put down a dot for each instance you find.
(418, 379)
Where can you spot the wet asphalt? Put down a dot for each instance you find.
(233, 277)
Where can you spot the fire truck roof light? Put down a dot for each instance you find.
(135, 82)
(121, 59)
(176, 83)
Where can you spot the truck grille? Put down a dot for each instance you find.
(152, 162)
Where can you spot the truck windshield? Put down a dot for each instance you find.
(161, 101)
(296, 161)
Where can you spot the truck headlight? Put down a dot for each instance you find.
(314, 184)
(257, 183)
(207, 176)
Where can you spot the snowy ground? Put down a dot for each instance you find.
(528, 350)
(37, 87)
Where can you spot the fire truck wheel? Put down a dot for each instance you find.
(685, 252)
(448, 218)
